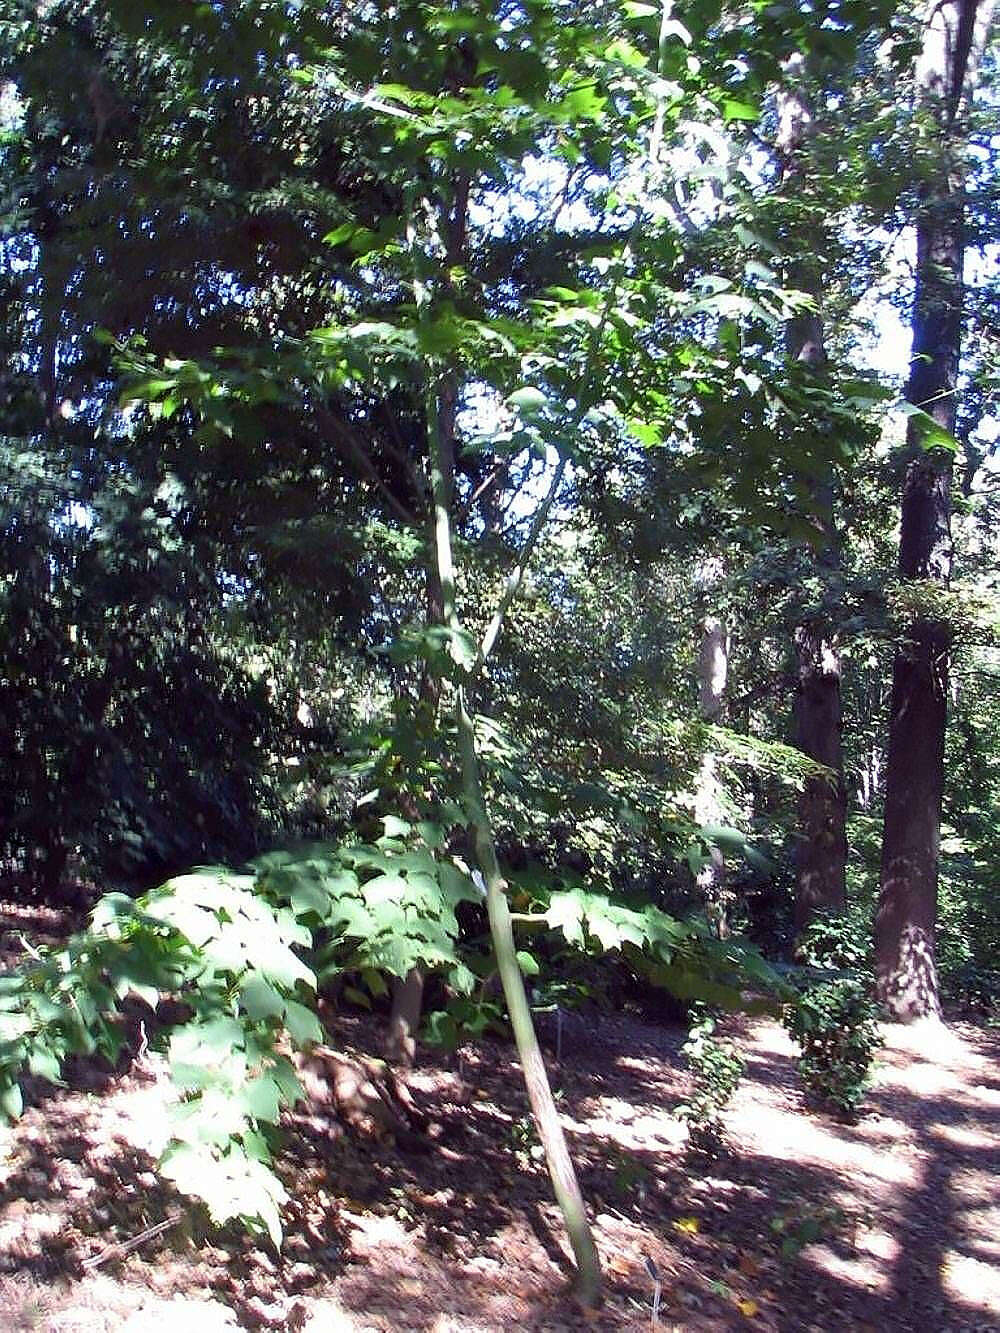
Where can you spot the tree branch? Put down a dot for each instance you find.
(516, 577)
(363, 464)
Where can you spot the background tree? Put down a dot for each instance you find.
(953, 40)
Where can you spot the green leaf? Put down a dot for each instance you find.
(307, 896)
(929, 434)
(432, 834)
(283, 1072)
(527, 963)
(260, 999)
(303, 1025)
(566, 913)
(723, 835)
(261, 1099)
(395, 827)
(462, 979)
(11, 1101)
(388, 888)
(375, 982)
(582, 104)
(214, 1037)
(528, 400)
(357, 997)
(734, 110)
(688, 985)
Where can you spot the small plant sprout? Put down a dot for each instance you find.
(653, 1272)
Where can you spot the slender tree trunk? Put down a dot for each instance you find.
(408, 992)
(713, 666)
(550, 1130)
(404, 1018)
(954, 36)
(821, 852)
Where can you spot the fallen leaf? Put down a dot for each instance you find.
(749, 1308)
(690, 1225)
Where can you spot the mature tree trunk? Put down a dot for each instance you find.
(955, 33)
(821, 852)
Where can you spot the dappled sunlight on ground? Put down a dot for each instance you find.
(859, 1271)
(807, 1224)
(915, 1199)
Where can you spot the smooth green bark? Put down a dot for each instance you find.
(550, 1132)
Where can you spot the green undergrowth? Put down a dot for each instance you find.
(833, 1017)
(245, 956)
(716, 1069)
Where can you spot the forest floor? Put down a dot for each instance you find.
(892, 1223)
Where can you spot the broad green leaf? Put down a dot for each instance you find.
(395, 827)
(260, 999)
(43, 1063)
(929, 434)
(527, 963)
(735, 110)
(374, 981)
(11, 1101)
(388, 888)
(566, 913)
(462, 979)
(528, 400)
(261, 1098)
(306, 895)
(303, 1025)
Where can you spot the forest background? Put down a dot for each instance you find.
(441, 483)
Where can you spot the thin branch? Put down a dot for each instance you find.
(482, 489)
(399, 453)
(516, 577)
(364, 464)
(116, 1251)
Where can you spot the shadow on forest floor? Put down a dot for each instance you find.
(463, 1235)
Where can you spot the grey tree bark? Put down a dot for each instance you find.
(954, 37)
(821, 851)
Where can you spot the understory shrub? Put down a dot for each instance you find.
(976, 989)
(835, 1023)
(837, 941)
(246, 954)
(834, 1018)
(716, 1069)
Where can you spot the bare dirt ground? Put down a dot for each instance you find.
(805, 1224)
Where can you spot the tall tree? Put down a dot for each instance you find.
(821, 850)
(953, 41)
